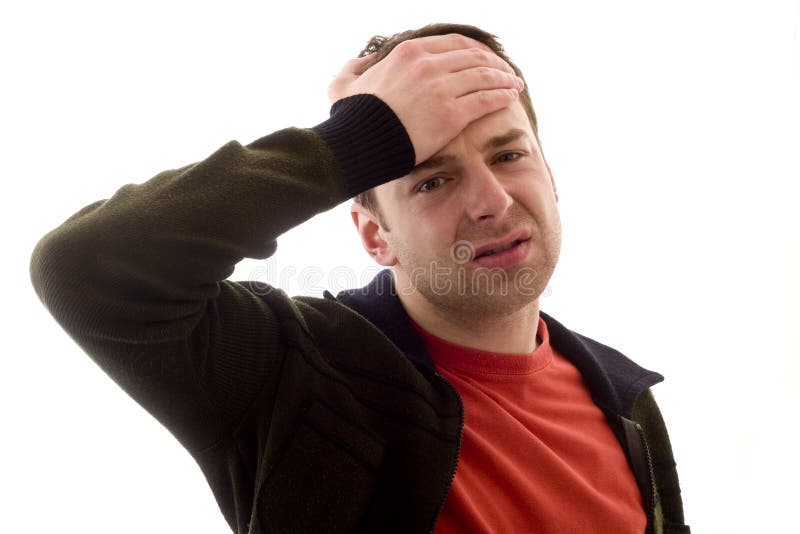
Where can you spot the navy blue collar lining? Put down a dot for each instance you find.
(378, 302)
(614, 380)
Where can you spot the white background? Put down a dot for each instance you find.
(672, 131)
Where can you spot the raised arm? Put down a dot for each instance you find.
(138, 280)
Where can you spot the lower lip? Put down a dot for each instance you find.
(507, 258)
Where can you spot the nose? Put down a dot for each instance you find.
(485, 196)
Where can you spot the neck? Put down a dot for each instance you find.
(510, 332)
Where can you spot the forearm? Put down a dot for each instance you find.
(149, 257)
(138, 280)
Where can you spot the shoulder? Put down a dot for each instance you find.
(613, 378)
(332, 332)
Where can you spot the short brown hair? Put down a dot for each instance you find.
(381, 46)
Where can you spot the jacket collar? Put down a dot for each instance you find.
(378, 302)
(614, 381)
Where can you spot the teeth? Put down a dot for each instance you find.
(501, 249)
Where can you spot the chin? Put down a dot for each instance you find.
(482, 299)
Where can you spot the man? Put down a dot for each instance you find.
(436, 398)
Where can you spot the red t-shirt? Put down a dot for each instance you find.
(537, 455)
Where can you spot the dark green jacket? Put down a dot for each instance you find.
(305, 414)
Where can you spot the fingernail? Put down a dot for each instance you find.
(520, 83)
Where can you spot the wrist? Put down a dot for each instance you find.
(368, 140)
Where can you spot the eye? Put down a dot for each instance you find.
(508, 157)
(430, 184)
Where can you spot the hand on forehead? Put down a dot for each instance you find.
(436, 86)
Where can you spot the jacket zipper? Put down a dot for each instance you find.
(454, 462)
(631, 436)
(651, 505)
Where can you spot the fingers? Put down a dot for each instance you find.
(358, 65)
(482, 79)
(462, 59)
(355, 66)
(438, 44)
(475, 105)
(450, 53)
(435, 85)
(350, 71)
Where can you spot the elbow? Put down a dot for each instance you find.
(48, 269)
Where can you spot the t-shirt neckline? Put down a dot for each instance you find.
(458, 358)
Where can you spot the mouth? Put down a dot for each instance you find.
(500, 249)
(505, 253)
(503, 245)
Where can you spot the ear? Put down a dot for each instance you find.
(372, 235)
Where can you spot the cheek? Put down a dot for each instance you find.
(429, 236)
(441, 228)
(538, 196)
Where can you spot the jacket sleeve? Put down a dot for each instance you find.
(139, 280)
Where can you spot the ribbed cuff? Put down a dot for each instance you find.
(369, 141)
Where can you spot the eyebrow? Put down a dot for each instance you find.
(493, 142)
(435, 161)
(499, 140)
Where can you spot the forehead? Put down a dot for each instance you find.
(489, 132)
(473, 137)
(496, 123)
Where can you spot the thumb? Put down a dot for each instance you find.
(349, 73)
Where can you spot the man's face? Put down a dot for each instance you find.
(490, 187)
